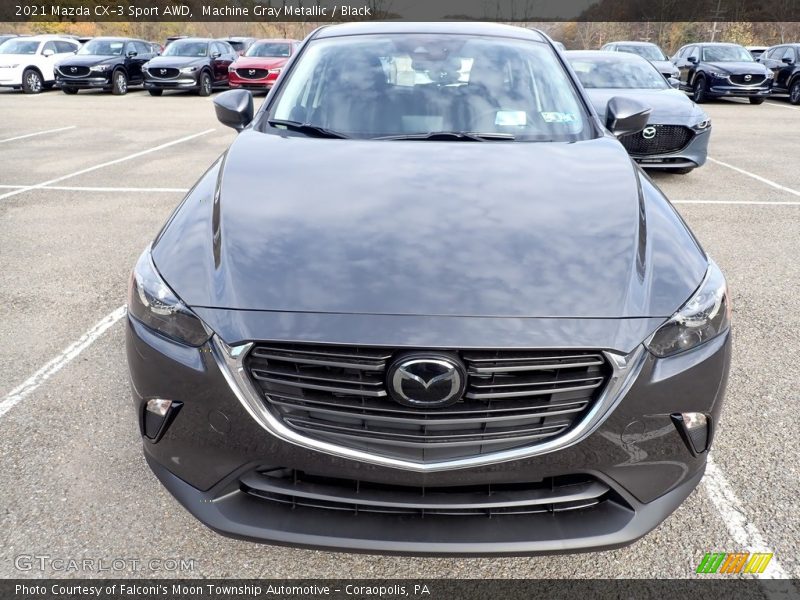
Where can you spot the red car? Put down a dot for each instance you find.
(260, 66)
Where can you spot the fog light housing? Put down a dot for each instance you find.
(158, 413)
(695, 429)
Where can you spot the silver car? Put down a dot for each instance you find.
(677, 132)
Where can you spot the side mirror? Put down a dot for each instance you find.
(675, 83)
(47, 53)
(132, 53)
(234, 108)
(692, 59)
(215, 54)
(787, 60)
(626, 115)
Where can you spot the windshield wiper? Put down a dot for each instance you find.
(307, 128)
(456, 136)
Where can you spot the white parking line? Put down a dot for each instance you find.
(782, 105)
(737, 202)
(68, 188)
(19, 393)
(27, 135)
(743, 532)
(105, 164)
(770, 183)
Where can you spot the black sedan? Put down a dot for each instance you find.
(194, 64)
(677, 132)
(716, 70)
(784, 62)
(426, 303)
(106, 63)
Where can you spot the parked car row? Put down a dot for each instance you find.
(36, 63)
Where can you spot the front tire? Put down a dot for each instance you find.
(699, 90)
(32, 82)
(156, 92)
(69, 90)
(119, 86)
(794, 92)
(683, 170)
(205, 85)
(756, 100)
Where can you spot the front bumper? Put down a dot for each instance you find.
(10, 77)
(264, 84)
(694, 154)
(723, 87)
(100, 80)
(182, 82)
(636, 451)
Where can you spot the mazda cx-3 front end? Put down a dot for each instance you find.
(459, 319)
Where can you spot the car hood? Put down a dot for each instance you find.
(176, 61)
(663, 66)
(738, 68)
(247, 62)
(88, 60)
(670, 106)
(493, 229)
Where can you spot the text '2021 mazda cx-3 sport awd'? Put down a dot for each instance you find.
(426, 303)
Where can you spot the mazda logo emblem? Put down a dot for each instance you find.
(426, 380)
(74, 69)
(748, 77)
(649, 133)
(252, 71)
(163, 71)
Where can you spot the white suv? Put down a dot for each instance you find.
(27, 62)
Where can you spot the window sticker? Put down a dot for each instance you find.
(511, 118)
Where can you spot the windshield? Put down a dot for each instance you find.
(269, 50)
(14, 46)
(615, 73)
(726, 54)
(102, 48)
(181, 48)
(372, 86)
(650, 52)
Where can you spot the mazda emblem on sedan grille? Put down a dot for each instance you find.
(162, 71)
(426, 381)
(748, 77)
(252, 71)
(649, 133)
(74, 69)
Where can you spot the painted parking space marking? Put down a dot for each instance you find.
(27, 387)
(30, 135)
(105, 164)
(764, 180)
(68, 188)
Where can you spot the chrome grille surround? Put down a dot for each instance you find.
(231, 361)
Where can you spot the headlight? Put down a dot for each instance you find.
(275, 71)
(719, 75)
(188, 69)
(702, 125)
(152, 302)
(770, 75)
(101, 68)
(9, 66)
(706, 315)
(676, 73)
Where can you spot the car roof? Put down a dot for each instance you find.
(632, 43)
(605, 55)
(464, 28)
(49, 36)
(198, 39)
(715, 44)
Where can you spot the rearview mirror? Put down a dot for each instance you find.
(626, 115)
(234, 108)
(676, 83)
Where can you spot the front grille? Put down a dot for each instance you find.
(513, 398)
(301, 490)
(252, 73)
(68, 71)
(754, 79)
(164, 72)
(667, 138)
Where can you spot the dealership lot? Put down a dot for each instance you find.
(86, 181)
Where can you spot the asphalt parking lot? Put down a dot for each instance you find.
(86, 182)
